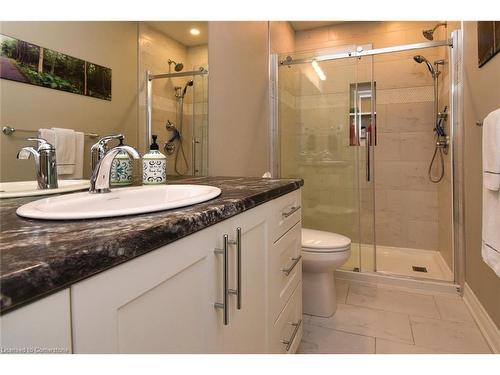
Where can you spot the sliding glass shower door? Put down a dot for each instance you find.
(326, 129)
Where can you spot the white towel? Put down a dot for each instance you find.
(65, 150)
(490, 248)
(50, 136)
(79, 143)
(491, 151)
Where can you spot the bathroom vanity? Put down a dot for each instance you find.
(223, 276)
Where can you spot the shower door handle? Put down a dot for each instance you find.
(368, 144)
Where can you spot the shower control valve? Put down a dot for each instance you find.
(443, 142)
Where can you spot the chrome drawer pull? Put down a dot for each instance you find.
(237, 292)
(225, 280)
(289, 342)
(291, 212)
(287, 271)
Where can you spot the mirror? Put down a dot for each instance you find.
(129, 50)
(173, 66)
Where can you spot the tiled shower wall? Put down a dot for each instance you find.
(155, 49)
(410, 211)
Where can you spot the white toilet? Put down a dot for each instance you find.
(322, 253)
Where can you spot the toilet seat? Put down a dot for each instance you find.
(317, 241)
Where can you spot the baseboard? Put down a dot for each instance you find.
(488, 328)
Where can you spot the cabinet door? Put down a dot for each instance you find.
(246, 330)
(43, 326)
(152, 304)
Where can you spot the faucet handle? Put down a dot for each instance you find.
(43, 144)
(106, 139)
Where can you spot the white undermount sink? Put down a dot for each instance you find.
(30, 188)
(119, 202)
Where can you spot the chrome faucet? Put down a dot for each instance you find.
(99, 149)
(99, 182)
(45, 162)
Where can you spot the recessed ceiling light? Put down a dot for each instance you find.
(194, 32)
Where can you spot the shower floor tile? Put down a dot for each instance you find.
(400, 261)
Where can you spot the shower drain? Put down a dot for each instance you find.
(419, 268)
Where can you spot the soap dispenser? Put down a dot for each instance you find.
(154, 165)
(121, 168)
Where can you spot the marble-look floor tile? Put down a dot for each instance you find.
(453, 309)
(306, 318)
(383, 346)
(393, 300)
(456, 337)
(341, 288)
(322, 340)
(368, 322)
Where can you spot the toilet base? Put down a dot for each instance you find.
(318, 294)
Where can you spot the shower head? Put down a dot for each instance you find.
(429, 33)
(178, 66)
(420, 59)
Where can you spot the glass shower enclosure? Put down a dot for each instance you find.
(357, 125)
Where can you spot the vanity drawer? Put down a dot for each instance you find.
(287, 330)
(285, 269)
(287, 213)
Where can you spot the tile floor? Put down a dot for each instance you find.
(381, 319)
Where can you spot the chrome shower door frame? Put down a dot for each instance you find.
(456, 120)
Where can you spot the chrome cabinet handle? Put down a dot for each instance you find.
(289, 342)
(287, 271)
(225, 281)
(289, 213)
(237, 292)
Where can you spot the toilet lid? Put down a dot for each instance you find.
(320, 241)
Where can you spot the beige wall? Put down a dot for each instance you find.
(111, 44)
(481, 96)
(238, 98)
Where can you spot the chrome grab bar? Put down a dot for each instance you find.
(225, 280)
(287, 271)
(237, 292)
(289, 342)
(293, 209)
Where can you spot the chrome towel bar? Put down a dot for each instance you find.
(8, 130)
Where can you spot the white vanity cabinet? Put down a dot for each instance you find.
(43, 326)
(245, 328)
(156, 303)
(171, 300)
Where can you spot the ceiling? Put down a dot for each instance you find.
(179, 30)
(307, 25)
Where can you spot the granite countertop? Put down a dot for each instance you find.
(39, 257)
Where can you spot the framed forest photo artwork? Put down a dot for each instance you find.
(24, 62)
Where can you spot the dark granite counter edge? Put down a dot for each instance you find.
(156, 240)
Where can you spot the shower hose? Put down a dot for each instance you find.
(181, 149)
(437, 150)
